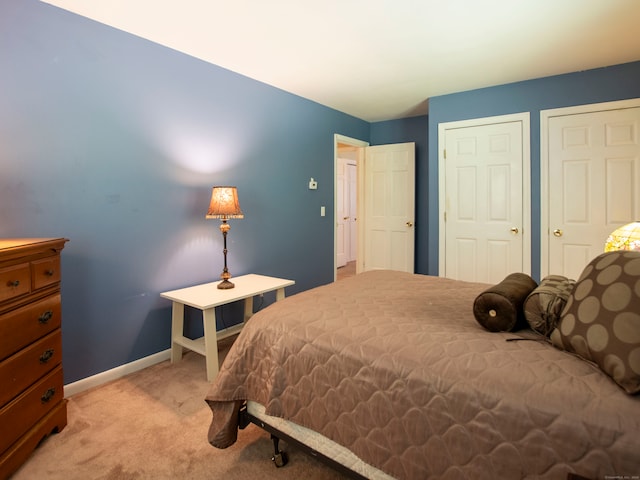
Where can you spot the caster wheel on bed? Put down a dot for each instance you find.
(280, 459)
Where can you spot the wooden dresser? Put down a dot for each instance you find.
(32, 403)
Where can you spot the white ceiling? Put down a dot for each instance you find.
(382, 59)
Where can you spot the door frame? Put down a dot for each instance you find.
(360, 144)
(545, 116)
(523, 117)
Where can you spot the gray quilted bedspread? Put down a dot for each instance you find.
(394, 367)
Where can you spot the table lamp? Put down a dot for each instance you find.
(626, 237)
(224, 205)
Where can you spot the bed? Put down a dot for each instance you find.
(394, 377)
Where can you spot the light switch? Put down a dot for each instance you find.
(322, 211)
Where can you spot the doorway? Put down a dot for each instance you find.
(348, 153)
(384, 197)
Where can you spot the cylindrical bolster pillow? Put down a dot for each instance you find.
(499, 308)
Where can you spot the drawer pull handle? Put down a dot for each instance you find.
(46, 355)
(48, 395)
(45, 317)
(13, 283)
(49, 273)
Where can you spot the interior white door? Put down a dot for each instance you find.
(342, 213)
(388, 194)
(485, 226)
(593, 184)
(351, 224)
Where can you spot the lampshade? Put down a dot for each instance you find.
(626, 237)
(224, 203)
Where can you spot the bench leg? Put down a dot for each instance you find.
(210, 343)
(177, 330)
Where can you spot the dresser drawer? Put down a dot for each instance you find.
(25, 367)
(14, 281)
(45, 272)
(24, 325)
(23, 412)
(19, 452)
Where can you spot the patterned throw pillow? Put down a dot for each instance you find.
(601, 321)
(543, 306)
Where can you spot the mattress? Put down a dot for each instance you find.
(394, 368)
(318, 443)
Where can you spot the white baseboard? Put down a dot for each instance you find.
(115, 373)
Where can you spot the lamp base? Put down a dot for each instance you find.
(225, 285)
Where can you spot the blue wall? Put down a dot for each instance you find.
(592, 86)
(115, 142)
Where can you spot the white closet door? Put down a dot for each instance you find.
(593, 184)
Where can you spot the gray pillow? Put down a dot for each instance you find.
(543, 306)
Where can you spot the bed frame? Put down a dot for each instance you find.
(280, 458)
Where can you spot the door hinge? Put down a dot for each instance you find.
(445, 216)
(445, 153)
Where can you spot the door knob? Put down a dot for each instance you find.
(514, 230)
(409, 224)
(557, 232)
(345, 218)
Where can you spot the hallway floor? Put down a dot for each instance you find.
(349, 270)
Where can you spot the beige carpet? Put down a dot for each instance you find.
(153, 424)
(349, 270)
